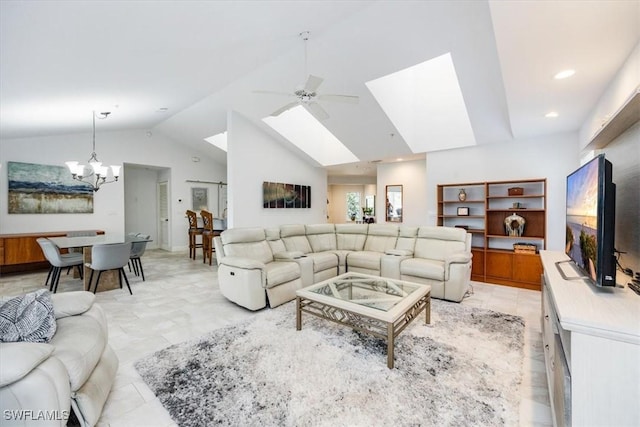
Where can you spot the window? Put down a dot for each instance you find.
(353, 206)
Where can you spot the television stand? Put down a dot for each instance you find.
(573, 268)
(591, 339)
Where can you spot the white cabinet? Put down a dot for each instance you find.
(591, 339)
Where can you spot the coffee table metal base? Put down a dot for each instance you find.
(375, 327)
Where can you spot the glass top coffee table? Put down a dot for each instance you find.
(379, 306)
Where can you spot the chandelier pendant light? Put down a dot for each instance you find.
(94, 174)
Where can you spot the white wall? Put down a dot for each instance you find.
(622, 87)
(413, 178)
(552, 157)
(624, 155)
(253, 157)
(133, 146)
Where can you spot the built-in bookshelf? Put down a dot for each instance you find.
(484, 210)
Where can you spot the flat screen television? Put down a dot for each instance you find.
(591, 221)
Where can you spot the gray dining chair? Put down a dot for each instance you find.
(58, 261)
(137, 250)
(105, 257)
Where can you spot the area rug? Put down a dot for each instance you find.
(465, 368)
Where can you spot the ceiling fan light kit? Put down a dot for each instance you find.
(307, 95)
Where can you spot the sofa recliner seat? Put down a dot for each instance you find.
(248, 271)
(439, 256)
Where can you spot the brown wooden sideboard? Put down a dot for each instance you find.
(21, 252)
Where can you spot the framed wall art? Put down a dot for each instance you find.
(286, 196)
(46, 189)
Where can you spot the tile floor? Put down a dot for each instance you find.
(180, 300)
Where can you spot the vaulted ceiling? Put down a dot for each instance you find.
(177, 67)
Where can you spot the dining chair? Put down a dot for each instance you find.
(105, 257)
(137, 250)
(194, 232)
(207, 235)
(58, 261)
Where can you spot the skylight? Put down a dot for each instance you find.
(219, 140)
(303, 130)
(425, 104)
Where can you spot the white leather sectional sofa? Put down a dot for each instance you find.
(257, 266)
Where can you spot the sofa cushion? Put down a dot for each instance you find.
(323, 261)
(79, 343)
(381, 237)
(364, 259)
(72, 303)
(407, 238)
(439, 242)
(275, 242)
(279, 272)
(20, 358)
(322, 237)
(248, 243)
(351, 237)
(28, 317)
(426, 268)
(294, 238)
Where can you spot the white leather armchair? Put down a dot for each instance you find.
(76, 369)
(442, 259)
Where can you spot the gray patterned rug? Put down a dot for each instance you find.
(465, 368)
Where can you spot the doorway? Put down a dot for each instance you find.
(144, 201)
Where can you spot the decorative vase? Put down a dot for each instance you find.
(514, 225)
(462, 196)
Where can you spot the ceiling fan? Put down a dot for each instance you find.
(306, 95)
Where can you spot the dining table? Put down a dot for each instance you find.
(109, 279)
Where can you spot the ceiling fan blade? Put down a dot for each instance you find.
(347, 99)
(317, 111)
(283, 109)
(313, 82)
(272, 92)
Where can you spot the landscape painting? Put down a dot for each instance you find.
(279, 195)
(46, 189)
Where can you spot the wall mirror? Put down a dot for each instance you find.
(394, 203)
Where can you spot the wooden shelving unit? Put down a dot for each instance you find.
(488, 204)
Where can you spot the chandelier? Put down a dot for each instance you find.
(94, 174)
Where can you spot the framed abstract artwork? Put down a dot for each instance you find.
(46, 189)
(288, 196)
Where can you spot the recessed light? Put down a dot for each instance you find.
(399, 159)
(564, 74)
(551, 114)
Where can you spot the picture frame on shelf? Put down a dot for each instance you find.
(463, 211)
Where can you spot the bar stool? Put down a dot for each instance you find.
(207, 235)
(194, 232)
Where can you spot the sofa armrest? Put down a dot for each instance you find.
(288, 255)
(458, 258)
(67, 304)
(20, 358)
(399, 252)
(239, 262)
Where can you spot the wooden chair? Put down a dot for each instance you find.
(194, 232)
(207, 236)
